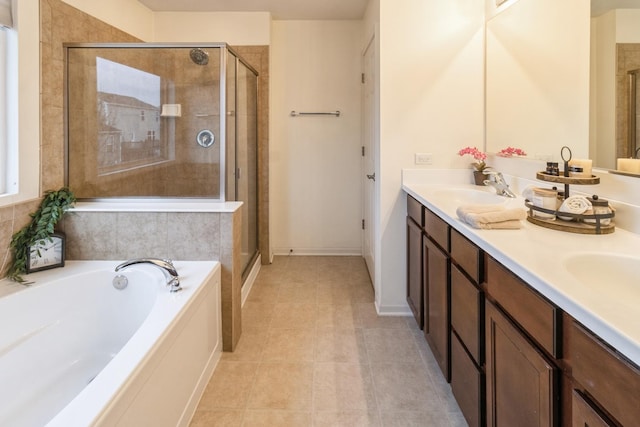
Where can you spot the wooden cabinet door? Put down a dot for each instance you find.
(414, 271)
(521, 382)
(584, 414)
(437, 297)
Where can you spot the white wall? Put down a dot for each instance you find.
(234, 28)
(431, 100)
(315, 162)
(130, 16)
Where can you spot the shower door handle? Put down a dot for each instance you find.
(372, 176)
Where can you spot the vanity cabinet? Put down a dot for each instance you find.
(521, 381)
(512, 357)
(415, 285)
(436, 303)
(467, 328)
(606, 386)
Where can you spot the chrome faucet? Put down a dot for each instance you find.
(167, 267)
(496, 180)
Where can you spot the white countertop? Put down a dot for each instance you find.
(536, 254)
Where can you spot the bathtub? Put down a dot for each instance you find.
(76, 351)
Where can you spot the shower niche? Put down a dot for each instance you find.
(163, 121)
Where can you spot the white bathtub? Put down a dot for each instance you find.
(75, 351)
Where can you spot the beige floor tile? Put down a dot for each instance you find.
(282, 386)
(369, 318)
(294, 315)
(249, 348)
(403, 387)
(229, 386)
(217, 418)
(340, 345)
(266, 293)
(257, 316)
(391, 346)
(343, 316)
(304, 292)
(346, 419)
(277, 419)
(343, 387)
(414, 419)
(334, 293)
(289, 345)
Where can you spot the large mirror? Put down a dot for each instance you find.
(552, 78)
(615, 63)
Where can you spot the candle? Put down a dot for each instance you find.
(629, 165)
(585, 164)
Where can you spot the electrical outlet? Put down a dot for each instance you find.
(424, 159)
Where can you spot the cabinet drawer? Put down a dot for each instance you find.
(466, 384)
(583, 414)
(467, 256)
(612, 381)
(437, 229)
(414, 210)
(540, 318)
(467, 317)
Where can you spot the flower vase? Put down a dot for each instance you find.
(479, 177)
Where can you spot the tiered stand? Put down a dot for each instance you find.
(578, 225)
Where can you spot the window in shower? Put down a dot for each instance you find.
(135, 116)
(126, 140)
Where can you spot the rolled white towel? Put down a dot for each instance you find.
(574, 205)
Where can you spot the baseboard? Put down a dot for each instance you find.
(318, 251)
(251, 278)
(393, 310)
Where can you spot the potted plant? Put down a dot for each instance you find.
(42, 226)
(478, 165)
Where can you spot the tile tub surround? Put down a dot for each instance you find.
(315, 353)
(197, 231)
(536, 255)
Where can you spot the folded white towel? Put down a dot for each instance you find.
(490, 217)
(575, 205)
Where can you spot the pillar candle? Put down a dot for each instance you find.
(629, 165)
(585, 164)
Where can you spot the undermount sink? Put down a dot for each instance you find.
(605, 272)
(463, 196)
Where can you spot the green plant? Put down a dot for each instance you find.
(43, 221)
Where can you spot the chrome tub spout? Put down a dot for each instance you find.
(166, 266)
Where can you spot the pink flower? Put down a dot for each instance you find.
(478, 155)
(510, 151)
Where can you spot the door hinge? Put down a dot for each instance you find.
(363, 151)
(363, 224)
(362, 78)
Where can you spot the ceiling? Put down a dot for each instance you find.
(280, 9)
(598, 7)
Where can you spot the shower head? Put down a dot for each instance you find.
(199, 56)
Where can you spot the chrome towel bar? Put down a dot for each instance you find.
(328, 113)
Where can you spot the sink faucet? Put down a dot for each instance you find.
(170, 273)
(496, 180)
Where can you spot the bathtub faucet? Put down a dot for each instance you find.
(173, 280)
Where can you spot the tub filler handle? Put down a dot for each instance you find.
(166, 266)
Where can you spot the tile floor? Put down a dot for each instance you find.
(313, 352)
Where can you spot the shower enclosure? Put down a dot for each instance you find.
(158, 121)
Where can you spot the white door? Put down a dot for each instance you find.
(368, 156)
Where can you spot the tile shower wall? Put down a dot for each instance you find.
(59, 23)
